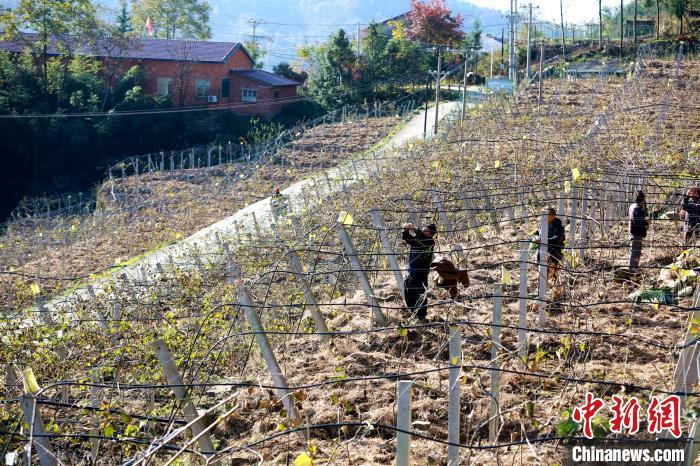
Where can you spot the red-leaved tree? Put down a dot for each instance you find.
(432, 22)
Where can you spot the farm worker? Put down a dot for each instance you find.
(415, 285)
(555, 244)
(278, 204)
(691, 207)
(638, 228)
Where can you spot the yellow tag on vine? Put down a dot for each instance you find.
(29, 381)
(478, 167)
(575, 174)
(36, 289)
(567, 186)
(506, 279)
(303, 460)
(497, 164)
(345, 218)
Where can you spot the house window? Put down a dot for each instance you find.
(276, 94)
(249, 95)
(202, 87)
(164, 86)
(225, 87)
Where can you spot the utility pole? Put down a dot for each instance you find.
(427, 101)
(563, 33)
(464, 84)
(511, 41)
(254, 23)
(529, 27)
(358, 40)
(539, 89)
(437, 88)
(503, 44)
(600, 24)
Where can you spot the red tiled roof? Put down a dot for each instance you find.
(142, 49)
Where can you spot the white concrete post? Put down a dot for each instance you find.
(403, 423)
(377, 315)
(412, 212)
(309, 297)
(100, 317)
(522, 305)
(494, 411)
(584, 222)
(95, 403)
(37, 433)
(447, 224)
(388, 249)
(572, 217)
(492, 212)
(188, 409)
(544, 239)
(454, 402)
(268, 354)
(471, 218)
(688, 367)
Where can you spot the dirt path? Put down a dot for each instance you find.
(205, 241)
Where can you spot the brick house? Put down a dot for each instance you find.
(191, 72)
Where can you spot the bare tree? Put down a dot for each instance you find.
(112, 47)
(183, 57)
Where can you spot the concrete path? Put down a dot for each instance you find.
(205, 241)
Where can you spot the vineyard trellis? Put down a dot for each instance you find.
(511, 378)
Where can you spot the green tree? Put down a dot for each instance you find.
(473, 39)
(340, 56)
(285, 69)
(334, 63)
(677, 9)
(61, 25)
(257, 53)
(173, 19)
(124, 21)
(374, 47)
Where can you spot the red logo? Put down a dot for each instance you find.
(625, 415)
(586, 413)
(665, 414)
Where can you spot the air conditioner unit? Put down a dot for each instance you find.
(212, 99)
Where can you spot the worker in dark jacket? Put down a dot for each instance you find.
(691, 206)
(638, 225)
(555, 244)
(415, 285)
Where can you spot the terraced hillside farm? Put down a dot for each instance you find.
(293, 346)
(137, 213)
